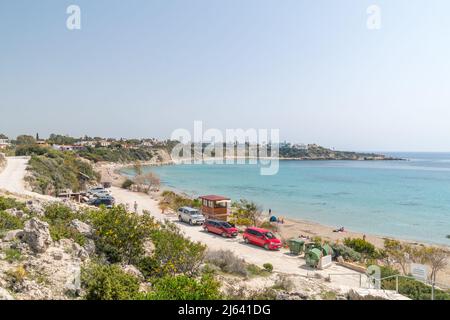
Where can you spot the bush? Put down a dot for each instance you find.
(283, 283)
(174, 254)
(227, 261)
(185, 288)
(57, 170)
(268, 267)
(120, 234)
(9, 203)
(9, 222)
(254, 270)
(411, 288)
(108, 282)
(345, 252)
(127, 184)
(12, 255)
(59, 217)
(175, 201)
(362, 246)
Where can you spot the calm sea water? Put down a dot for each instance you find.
(404, 199)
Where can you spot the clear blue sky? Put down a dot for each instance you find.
(310, 68)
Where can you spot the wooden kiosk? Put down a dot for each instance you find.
(215, 207)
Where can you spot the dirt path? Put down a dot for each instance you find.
(12, 178)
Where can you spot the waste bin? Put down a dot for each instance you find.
(312, 257)
(296, 246)
(327, 250)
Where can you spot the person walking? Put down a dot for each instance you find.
(135, 207)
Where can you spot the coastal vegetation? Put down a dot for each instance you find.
(52, 171)
(246, 213)
(116, 153)
(173, 201)
(163, 263)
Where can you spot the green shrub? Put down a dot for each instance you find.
(410, 288)
(362, 246)
(59, 217)
(120, 235)
(227, 261)
(185, 288)
(108, 282)
(174, 254)
(9, 222)
(127, 184)
(57, 170)
(268, 267)
(254, 270)
(345, 252)
(9, 203)
(176, 201)
(12, 255)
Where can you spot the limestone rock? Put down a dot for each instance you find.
(5, 295)
(89, 246)
(132, 270)
(37, 235)
(16, 213)
(13, 235)
(81, 227)
(36, 207)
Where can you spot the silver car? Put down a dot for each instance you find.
(190, 215)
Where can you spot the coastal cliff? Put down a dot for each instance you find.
(316, 152)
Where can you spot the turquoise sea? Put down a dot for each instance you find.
(405, 199)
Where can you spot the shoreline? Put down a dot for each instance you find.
(293, 227)
(313, 228)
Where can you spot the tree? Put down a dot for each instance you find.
(149, 179)
(2, 136)
(25, 139)
(246, 212)
(137, 168)
(436, 258)
(395, 252)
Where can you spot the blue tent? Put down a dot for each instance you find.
(273, 219)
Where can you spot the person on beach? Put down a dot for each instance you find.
(135, 207)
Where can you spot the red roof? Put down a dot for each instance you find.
(212, 197)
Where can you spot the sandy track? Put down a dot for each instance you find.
(12, 178)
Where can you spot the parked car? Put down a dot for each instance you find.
(190, 215)
(262, 237)
(223, 228)
(106, 201)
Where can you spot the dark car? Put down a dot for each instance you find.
(106, 201)
(223, 228)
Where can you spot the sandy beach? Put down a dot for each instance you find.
(291, 228)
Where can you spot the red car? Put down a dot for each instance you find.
(262, 237)
(223, 228)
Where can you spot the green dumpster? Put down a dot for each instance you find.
(312, 257)
(327, 250)
(296, 246)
